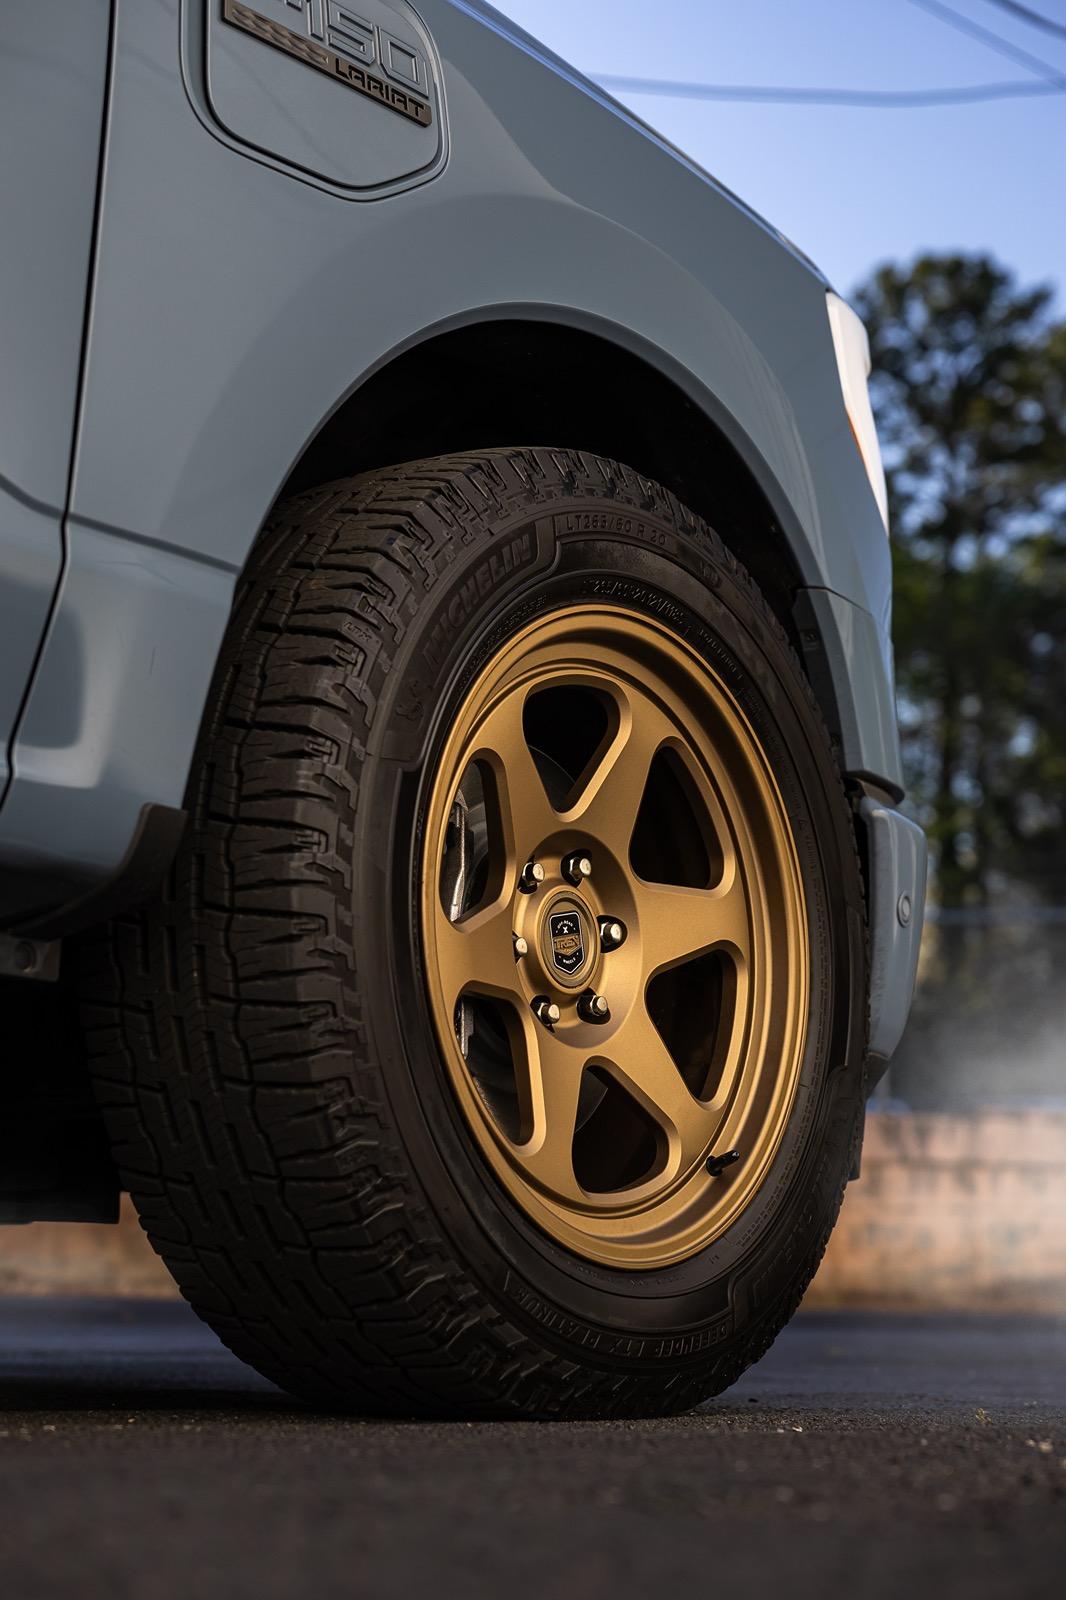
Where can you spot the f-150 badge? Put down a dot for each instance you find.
(337, 41)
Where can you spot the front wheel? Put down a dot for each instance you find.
(496, 1045)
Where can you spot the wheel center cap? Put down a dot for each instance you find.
(567, 943)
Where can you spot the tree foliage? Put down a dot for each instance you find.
(969, 389)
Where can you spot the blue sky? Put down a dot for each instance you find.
(852, 187)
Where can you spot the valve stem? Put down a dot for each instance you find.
(716, 1165)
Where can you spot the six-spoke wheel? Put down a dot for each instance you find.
(615, 936)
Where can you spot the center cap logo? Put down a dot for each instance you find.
(567, 934)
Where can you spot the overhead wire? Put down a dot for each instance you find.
(1036, 19)
(993, 41)
(1051, 79)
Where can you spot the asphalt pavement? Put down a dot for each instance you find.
(865, 1456)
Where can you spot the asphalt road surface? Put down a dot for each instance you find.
(895, 1457)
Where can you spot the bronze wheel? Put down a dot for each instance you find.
(615, 936)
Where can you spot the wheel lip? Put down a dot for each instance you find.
(613, 1241)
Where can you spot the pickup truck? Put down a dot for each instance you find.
(451, 866)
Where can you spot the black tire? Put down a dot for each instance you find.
(258, 1036)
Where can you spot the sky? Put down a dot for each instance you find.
(851, 186)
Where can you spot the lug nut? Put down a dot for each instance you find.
(612, 933)
(521, 948)
(576, 867)
(593, 1007)
(545, 1010)
(532, 877)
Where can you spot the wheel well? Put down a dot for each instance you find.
(55, 1158)
(513, 382)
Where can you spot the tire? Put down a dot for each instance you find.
(259, 1036)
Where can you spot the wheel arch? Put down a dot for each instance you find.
(515, 376)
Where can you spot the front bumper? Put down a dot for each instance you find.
(897, 856)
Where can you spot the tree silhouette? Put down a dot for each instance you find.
(969, 388)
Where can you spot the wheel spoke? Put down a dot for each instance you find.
(641, 1060)
(526, 816)
(555, 1073)
(608, 805)
(477, 954)
(677, 924)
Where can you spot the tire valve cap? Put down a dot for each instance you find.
(612, 933)
(521, 948)
(532, 877)
(576, 867)
(716, 1165)
(545, 1010)
(593, 1007)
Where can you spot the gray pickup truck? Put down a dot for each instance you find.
(451, 871)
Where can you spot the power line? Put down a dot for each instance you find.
(886, 99)
(994, 41)
(1035, 18)
(1052, 81)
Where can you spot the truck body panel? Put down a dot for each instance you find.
(53, 70)
(248, 282)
